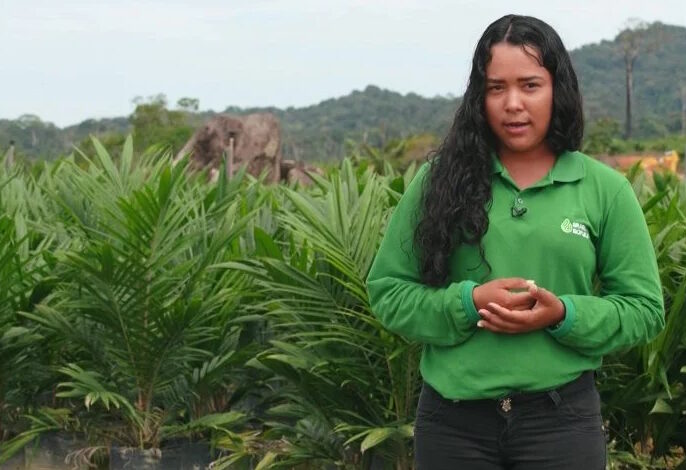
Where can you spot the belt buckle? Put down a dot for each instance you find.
(506, 404)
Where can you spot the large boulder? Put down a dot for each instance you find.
(257, 143)
(297, 172)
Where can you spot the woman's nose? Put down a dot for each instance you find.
(513, 101)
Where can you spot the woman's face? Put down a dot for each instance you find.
(519, 98)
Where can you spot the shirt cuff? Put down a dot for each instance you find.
(565, 326)
(468, 302)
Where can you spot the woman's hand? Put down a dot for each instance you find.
(547, 311)
(499, 291)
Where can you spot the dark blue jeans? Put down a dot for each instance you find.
(560, 429)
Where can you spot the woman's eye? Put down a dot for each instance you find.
(531, 85)
(495, 88)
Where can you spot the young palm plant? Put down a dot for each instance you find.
(136, 303)
(22, 270)
(343, 387)
(644, 388)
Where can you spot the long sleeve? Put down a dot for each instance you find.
(441, 316)
(630, 308)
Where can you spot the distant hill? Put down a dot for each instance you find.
(38, 139)
(318, 132)
(658, 78)
(376, 115)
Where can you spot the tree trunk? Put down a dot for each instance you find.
(629, 63)
(229, 159)
(9, 156)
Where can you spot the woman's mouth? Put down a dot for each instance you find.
(517, 127)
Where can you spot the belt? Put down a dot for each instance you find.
(584, 382)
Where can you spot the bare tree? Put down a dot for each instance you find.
(9, 156)
(636, 38)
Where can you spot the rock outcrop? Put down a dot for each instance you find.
(293, 171)
(256, 142)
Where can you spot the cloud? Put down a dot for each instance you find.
(168, 20)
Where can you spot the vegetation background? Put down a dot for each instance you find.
(143, 307)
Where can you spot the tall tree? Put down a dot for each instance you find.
(190, 105)
(635, 39)
(154, 124)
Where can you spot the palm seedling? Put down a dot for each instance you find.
(644, 388)
(343, 387)
(143, 317)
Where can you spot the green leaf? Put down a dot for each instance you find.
(265, 245)
(293, 361)
(164, 187)
(14, 332)
(266, 461)
(407, 431)
(216, 421)
(286, 409)
(14, 446)
(126, 157)
(376, 437)
(107, 164)
(661, 407)
(652, 202)
(398, 185)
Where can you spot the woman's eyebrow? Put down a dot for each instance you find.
(520, 79)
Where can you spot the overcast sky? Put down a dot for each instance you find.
(69, 60)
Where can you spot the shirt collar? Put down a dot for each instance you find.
(569, 167)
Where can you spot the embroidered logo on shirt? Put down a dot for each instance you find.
(575, 228)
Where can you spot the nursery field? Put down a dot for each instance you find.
(152, 319)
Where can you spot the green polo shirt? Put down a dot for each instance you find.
(582, 223)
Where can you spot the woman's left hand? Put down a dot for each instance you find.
(547, 311)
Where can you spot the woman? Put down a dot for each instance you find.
(490, 260)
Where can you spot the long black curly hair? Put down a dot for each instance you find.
(457, 190)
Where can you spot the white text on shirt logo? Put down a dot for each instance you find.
(575, 228)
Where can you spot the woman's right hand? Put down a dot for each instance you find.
(500, 292)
